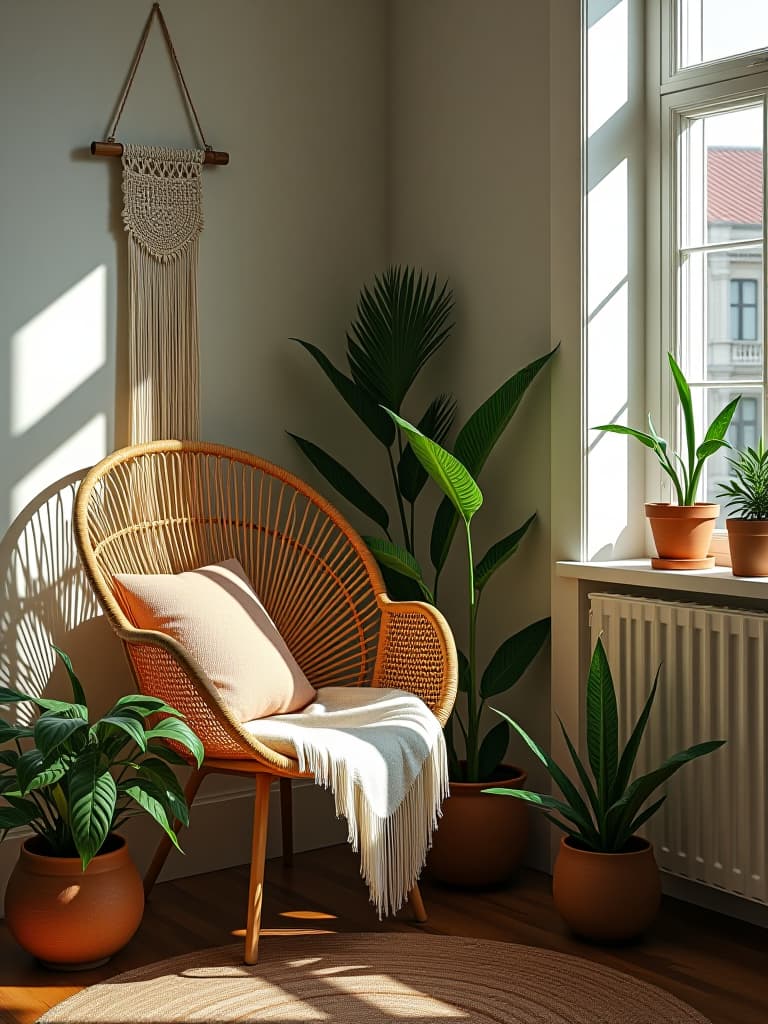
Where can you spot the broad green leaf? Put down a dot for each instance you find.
(9, 757)
(14, 817)
(92, 800)
(402, 320)
(9, 732)
(513, 657)
(602, 725)
(152, 799)
(498, 553)
(359, 401)
(144, 705)
(8, 696)
(449, 474)
(465, 680)
(707, 448)
(629, 754)
(543, 800)
(477, 439)
(77, 689)
(52, 732)
(157, 771)
(391, 555)
(344, 482)
(718, 428)
(34, 771)
(434, 424)
(173, 729)
(619, 428)
(492, 750)
(127, 724)
(686, 404)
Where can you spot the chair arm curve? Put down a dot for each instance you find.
(417, 653)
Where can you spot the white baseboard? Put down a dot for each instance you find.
(220, 832)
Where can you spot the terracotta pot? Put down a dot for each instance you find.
(607, 897)
(72, 919)
(682, 534)
(481, 838)
(748, 543)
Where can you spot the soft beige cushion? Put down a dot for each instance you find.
(215, 614)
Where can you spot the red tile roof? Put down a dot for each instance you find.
(734, 185)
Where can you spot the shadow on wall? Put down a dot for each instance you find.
(45, 598)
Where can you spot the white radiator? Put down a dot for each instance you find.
(713, 828)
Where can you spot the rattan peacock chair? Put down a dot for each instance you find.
(170, 506)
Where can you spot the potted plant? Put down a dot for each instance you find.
(683, 532)
(606, 882)
(477, 842)
(747, 494)
(75, 897)
(403, 319)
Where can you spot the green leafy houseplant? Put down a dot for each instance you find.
(403, 319)
(747, 490)
(516, 653)
(74, 782)
(613, 808)
(685, 473)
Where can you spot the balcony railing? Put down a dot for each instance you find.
(725, 355)
(746, 353)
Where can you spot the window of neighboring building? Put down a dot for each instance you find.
(743, 309)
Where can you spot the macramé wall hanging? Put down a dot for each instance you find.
(163, 217)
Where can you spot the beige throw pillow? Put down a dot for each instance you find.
(215, 614)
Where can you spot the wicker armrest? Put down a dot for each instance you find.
(417, 653)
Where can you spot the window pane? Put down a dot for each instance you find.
(721, 160)
(718, 29)
(746, 427)
(721, 335)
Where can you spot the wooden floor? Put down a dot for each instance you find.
(717, 965)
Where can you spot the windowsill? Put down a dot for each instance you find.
(637, 572)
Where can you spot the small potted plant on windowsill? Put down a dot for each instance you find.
(683, 532)
(75, 897)
(606, 883)
(747, 494)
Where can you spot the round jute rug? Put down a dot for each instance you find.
(395, 978)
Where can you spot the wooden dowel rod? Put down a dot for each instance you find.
(212, 156)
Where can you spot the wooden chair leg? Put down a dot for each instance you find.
(258, 853)
(286, 820)
(165, 844)
(417, 905)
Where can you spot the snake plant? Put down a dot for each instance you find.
(685, 474)
(612, 808)
(74, 782)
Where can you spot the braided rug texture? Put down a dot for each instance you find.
(376, 979)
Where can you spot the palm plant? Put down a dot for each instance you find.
(684, 474)
(613, 810)
(74, 782)
(747, 490)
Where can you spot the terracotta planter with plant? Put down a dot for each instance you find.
(683, 532)
(403, 319)
(747, 497)
(74, 897)
(606, 883)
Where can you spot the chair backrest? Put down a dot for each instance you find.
(170, 506)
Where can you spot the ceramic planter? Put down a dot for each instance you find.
(481, 838)
(682, 534)
(72, 919)
(748, 543)
(607, 897)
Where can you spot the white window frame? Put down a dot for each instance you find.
(717, 86)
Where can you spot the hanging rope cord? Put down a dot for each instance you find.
(180, 74)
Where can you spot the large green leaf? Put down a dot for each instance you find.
(52, 731)
(157, 771)
(126, 723)
(9, 732)
(173, 729)
(619, 428)
(360, 402)
(544, 800)
(344, 482)
(151, 798)
(34, 771)
(718, 428)
(8, 696)
(581, 770)
(77, 689)
(499, 552)
(513, 657)
(492, 750)
(391, 555)
(143, 705)
(475, 442)
(629, 754)
(401, 322)
(92, 800)
(602, 725)
(16, 817)
(449, 474)
(686, 404)
(434, 424)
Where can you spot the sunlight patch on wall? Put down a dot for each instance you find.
(608, 235)
(84, 448)
(607, 66)
(58, 350)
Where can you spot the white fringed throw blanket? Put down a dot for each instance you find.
(382, 753)
(163, 215)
